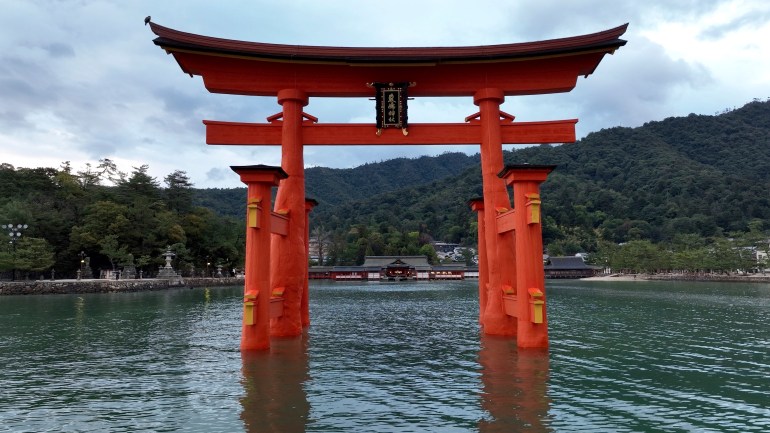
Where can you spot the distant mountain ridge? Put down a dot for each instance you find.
(336, 186)
(704, 175)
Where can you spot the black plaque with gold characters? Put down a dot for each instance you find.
(391, 105)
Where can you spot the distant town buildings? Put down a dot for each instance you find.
(394, 268)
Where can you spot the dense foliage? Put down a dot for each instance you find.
(681, 191)
(130, 223)
(706, 176)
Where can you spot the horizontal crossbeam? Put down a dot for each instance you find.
(505, 222)
(361, 134)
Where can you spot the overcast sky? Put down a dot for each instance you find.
(81, 80)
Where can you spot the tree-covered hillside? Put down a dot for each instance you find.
(702, 175)
(332, 187)
(688, 184)
(338, 186)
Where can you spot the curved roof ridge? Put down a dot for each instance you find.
(607, 40)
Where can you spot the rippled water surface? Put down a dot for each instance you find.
(635, 357)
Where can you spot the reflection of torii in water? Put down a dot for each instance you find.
(513, 394)
(512, 288)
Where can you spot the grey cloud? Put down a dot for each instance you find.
(548, 19)
(217, 174)
(674, 10)
(155, 121)
(652, 74)
(18, 97)
(14, 121)
(23, 81)
(97, 149)
(635, 85)
(101, 104)
(177, 102)
(59, 50)
(749, 19)
(13, 88)
(175, 125)
(234, 108)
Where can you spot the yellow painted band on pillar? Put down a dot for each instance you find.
(537, 311)
(533, 206)
(252, 213)
(536, 305)
(248, 310)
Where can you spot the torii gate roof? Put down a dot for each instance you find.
(255, 68)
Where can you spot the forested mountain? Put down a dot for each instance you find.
(686, 182)
(702, 175)
(337, 186)
(705, 175)
(331, 187)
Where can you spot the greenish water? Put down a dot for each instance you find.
(625, 357)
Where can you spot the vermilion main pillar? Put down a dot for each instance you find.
(288, 264)
(500, 255)
(530, 276)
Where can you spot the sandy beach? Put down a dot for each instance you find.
(618, 277)
(739, 278)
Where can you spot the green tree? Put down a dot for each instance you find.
(90, 176)
(101, 219)
(139, 187)
(179, 192)
(321, 237)
(33, 254)
(723, 256)
(430, 252)
(115, 252)
(640, 256)
(467, 255)
(605, 255)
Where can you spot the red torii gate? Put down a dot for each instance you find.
(512, 288)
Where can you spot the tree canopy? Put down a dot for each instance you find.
(130, 222)
(681, 189)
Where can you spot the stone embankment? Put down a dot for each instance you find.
(48, 287)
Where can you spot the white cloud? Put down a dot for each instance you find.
(82, 80)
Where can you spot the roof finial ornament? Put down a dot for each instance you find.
(147, 20)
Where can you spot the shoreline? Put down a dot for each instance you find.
(48, 287)
(734, 278)
(60, 287)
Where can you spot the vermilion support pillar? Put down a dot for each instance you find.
(500, 254)
(530, 276)
(309, 205)
(289, 261)
(259, 180)
(477, 205)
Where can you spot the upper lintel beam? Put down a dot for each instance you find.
(259, 69)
